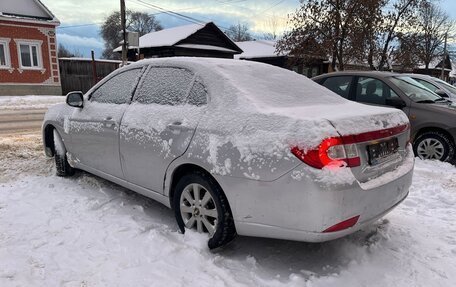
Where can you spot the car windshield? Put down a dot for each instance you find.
(414, 90)
(447, 86)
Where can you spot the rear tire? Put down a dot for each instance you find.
(191, 210)
(62, 166)
(434, 145)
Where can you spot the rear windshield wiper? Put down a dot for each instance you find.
(425, 102)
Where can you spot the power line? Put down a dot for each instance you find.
(171, 13)
(274, 5)
(80, 25)
(168, 12)
(175, 14)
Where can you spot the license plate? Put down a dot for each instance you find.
(380, 151)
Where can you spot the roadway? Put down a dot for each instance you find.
(21, 121)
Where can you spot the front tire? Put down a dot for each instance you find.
(434, 145)
(62, 166)
(200, 204)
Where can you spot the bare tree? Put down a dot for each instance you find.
(271, 24)
(433, 25)
(322, 28)
(401, 17)
(370, 23)
(349, 30)
(63, 52)
(239, 33)
(140, 22)
(405, 55)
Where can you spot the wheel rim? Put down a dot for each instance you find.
(198, 209)
(431, 149)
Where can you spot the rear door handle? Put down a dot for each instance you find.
(178, 127)
(109, 122)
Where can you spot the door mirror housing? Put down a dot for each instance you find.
(75, 99)
(396, 102)
(442, 93)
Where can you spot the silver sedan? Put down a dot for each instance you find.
(236, 147)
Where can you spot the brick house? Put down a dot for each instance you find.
(28, 49)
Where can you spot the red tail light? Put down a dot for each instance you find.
(343, 225)
(343, 150)
(331, 151)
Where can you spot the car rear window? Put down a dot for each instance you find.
(340, 85)
(271, 86)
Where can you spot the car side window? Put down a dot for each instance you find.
(373, 91)
(427, 84)
(164, 86)
(118, 89)
(340, 85)
(198, 94)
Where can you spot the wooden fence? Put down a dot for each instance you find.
(77, 74)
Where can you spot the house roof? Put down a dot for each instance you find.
(437, 64)
(453, 70)
(176, 37)
(257, 49)
(26, 10)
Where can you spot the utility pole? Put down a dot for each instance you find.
(94, 68)
(124, 32)
(442, 77)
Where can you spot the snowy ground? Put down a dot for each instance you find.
(85, 231)
(29, 102)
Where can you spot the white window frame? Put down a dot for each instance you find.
(5, 43)
(39, 55)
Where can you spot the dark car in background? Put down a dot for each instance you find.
(432, 117)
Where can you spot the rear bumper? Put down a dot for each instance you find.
(301, 207)
(262, 230)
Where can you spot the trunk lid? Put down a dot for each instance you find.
(378, 135)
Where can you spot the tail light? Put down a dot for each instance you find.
(331, 152)
(342, 151)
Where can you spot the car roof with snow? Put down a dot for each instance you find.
(262, 84)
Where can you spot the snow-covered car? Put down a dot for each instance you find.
(237, 147)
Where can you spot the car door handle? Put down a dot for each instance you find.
(177, 126)
(109, 122)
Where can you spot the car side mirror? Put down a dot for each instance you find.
(442, 93)
(396, 102)
(75, 99)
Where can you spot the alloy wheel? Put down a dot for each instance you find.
(198, 209)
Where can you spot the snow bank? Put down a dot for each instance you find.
(29, 102)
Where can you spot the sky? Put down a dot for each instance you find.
(80, 19)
